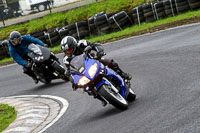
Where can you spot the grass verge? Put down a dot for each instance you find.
(187, 18)
(7, 116)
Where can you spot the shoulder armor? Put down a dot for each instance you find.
(65, 60)
(82, 42)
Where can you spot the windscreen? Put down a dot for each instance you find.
(77, 63)
(35, 49)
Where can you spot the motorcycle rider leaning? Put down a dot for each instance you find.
(18, 47)
(71, 48)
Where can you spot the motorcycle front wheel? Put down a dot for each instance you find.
(131, 96)
(112, 97)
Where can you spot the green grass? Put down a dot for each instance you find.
(6, 60)
(55, 48)
(7, 116)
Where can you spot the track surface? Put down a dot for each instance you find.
(166, 70)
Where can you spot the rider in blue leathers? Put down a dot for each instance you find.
(18, 47)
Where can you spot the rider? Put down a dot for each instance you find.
(18, 47)
(71, 48)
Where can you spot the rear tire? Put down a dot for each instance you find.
(45, 81)
(113, 98)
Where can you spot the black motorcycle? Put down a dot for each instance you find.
(45, 64)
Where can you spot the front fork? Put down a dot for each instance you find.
(58, 67)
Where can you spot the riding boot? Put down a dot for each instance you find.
(123, 74)
(31, 74)
(36, 80)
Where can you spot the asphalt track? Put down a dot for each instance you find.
(166, 78)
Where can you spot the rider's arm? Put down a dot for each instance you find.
(66, 61)
(96, 46)
(33, 40)
(82, 44)
(17, 57)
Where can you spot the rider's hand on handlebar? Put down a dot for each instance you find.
(46, 45)
(87, 49)
(100, 54)
(28, 65)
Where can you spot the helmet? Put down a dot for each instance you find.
(15, 38)
(68, 45)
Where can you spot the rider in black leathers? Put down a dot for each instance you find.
(71, 48)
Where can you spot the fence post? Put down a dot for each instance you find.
(48, 2)
(2, 18)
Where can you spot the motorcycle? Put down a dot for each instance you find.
(100, 81)
(45, 64)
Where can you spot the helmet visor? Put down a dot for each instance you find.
(69, 51)
(16, 41)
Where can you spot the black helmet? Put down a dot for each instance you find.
(15, 38)
(68, 45)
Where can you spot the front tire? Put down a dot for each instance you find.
(60, 70)
(131, 96)
(113, 98)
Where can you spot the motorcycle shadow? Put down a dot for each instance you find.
(43, 87)
(47, 86)
(109, 112)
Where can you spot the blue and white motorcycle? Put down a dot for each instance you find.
(101, 81)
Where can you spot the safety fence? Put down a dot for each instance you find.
(103, 23)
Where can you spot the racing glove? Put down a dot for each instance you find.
(87, 49)
(100, 54)
(28, 65)
(46, 45)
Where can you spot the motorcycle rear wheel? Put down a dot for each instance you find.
(45, 81)
(113, 98)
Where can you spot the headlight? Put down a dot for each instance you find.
(83, 81)
(93, 70)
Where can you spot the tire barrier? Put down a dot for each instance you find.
(149, 12)
(79, 29)
(170, 8)
(182, 6)
(102, 23)
(120, 21)
(63, 32)
(138, 15)
(194, 4)
(92, 25)
(39, 35)
(4, 50)
(159, 10)
(52, 37)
